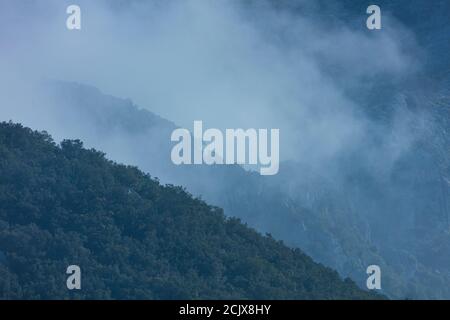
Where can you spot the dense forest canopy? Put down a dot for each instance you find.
(131, 236)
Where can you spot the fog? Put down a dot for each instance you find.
(228, 65)
(317, 77)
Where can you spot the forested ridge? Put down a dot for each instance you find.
(131, 236)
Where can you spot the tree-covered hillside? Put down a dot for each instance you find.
(131, 236)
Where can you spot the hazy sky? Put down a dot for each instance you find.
(209, 60)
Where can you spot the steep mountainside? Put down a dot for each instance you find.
(393, 213)
(131, 236)
(398, 221)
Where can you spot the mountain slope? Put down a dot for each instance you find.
(346, 225)
(395, 215)
(131, 236)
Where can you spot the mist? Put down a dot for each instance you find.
(318, 78)
(219, 62)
